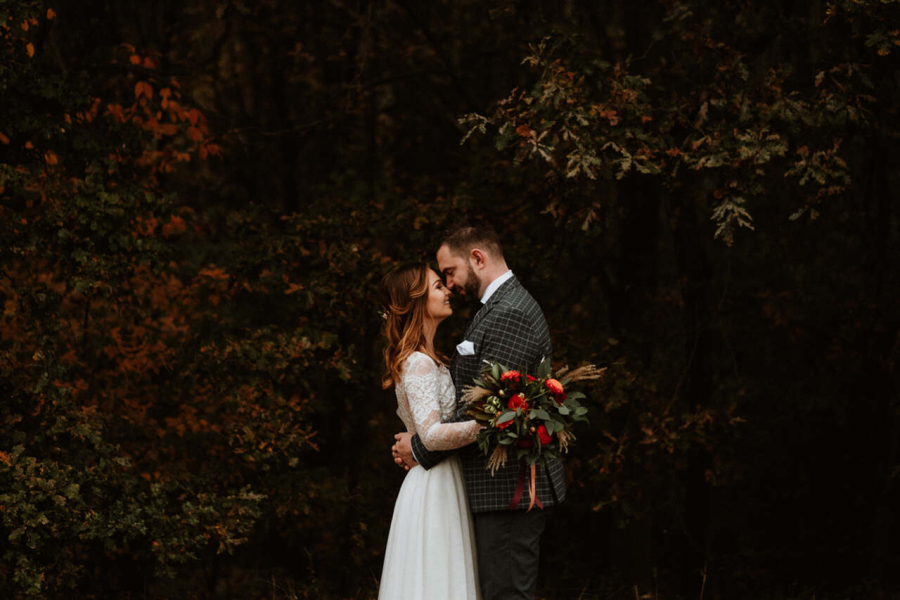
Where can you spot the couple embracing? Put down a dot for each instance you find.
(457, 530)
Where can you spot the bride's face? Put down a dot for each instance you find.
(438, 303)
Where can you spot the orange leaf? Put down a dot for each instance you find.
(29, 47)
(195, 134)
(51, 158)
(175, 225)
(149, 63)
(135, 59)
(4, 139)
(24, 25)
(29, 145)
(50, 14)
(142, 87)
(524, 131)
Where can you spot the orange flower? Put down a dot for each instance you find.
(556, 388)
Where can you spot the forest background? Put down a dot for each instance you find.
(199, 197)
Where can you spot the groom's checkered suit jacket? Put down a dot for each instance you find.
(510, 328)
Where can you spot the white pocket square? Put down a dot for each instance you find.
(465, 348)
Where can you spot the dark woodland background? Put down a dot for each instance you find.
(199, 197)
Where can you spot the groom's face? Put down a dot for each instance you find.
(458, 274)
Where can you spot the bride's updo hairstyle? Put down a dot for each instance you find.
(404, 296)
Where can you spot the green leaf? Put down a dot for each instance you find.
(563, 410)
(507, 416)
(554, 426)
(71, 490)
(495, 371)
(537, 413)
(544, 369)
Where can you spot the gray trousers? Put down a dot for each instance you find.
(508, 546)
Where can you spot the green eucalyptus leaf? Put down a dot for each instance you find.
(507, 416)
(544, 369)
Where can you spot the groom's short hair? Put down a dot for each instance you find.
(463, 240)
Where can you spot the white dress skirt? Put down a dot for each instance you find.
(431, 546)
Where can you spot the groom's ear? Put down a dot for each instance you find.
(479, 258)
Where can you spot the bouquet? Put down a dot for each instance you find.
(530, 416)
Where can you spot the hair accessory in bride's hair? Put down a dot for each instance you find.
(384, 314)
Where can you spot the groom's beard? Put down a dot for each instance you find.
(472, 285)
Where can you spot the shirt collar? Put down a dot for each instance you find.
(494, 285)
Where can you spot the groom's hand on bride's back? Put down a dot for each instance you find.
(402, 451)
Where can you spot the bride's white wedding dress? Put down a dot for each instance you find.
(431, 547)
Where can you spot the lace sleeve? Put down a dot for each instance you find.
(421, 379)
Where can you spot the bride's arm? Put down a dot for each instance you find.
(422, 389)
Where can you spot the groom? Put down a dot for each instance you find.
(510, 329)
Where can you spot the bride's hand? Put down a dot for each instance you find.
(402, 451)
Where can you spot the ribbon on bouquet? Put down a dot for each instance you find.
(520, 488)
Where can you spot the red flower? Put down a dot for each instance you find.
(511, 377)
(530, 378)
(518, 401)
(545, 436)
(556, 388)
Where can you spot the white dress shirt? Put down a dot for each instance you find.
(494, 285)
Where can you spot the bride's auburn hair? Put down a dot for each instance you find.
(404, 295)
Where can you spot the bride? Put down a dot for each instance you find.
(431, 546)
